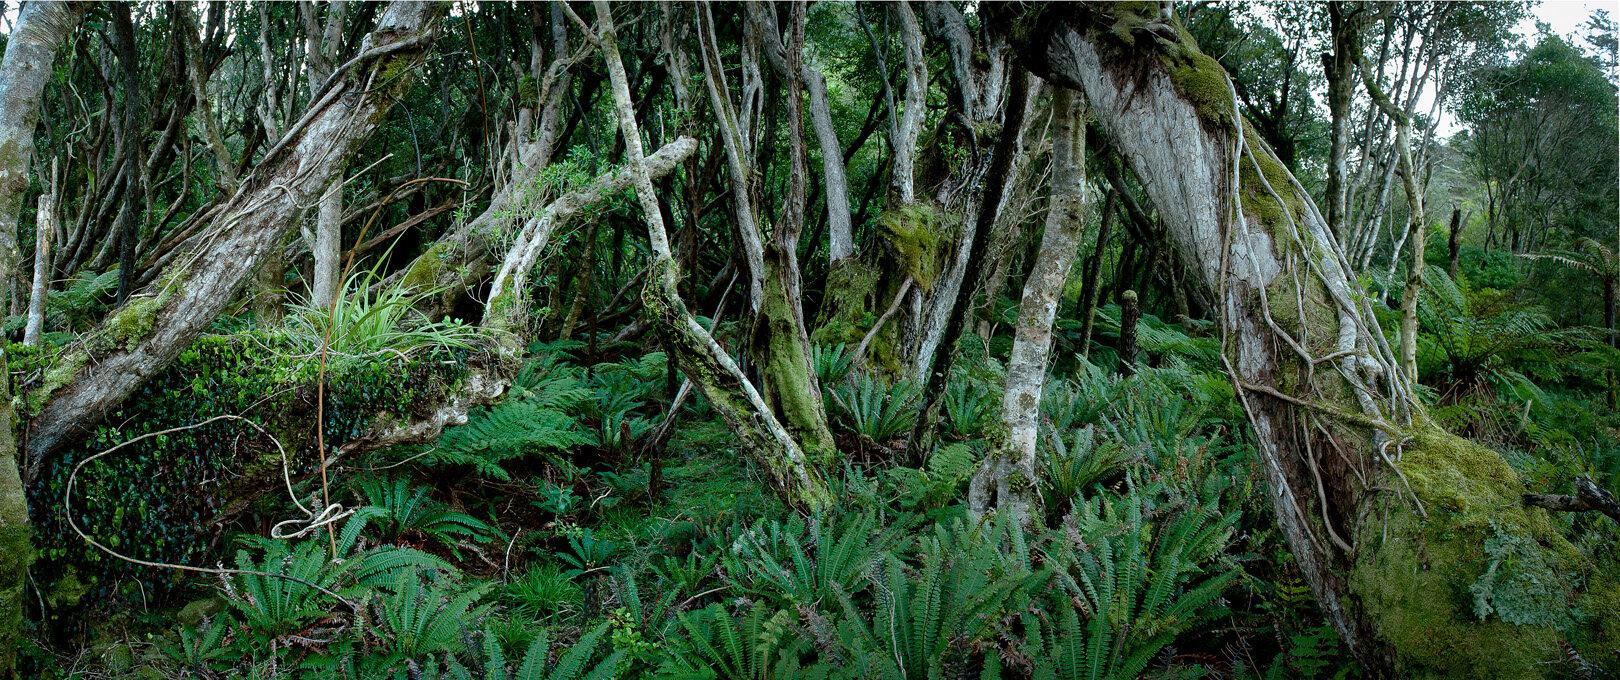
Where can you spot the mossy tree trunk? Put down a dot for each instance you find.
(41, 29)
(16, 550)
(153, 327)
(779, 342)
(702, 359)
(1388, 516)
(1012, 472)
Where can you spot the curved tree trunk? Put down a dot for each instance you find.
(41, 29)
(1384, 512)
(699, 356)
(144, 335)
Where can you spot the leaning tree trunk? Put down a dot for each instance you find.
(1386, 514)
(134, 343)
(1012, 471)
(705, 363)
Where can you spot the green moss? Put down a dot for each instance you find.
(424, 272)
(1202, 81)
(127, 327)
(918, 232)
(61, 371)
(1416, 576)
(69, 589)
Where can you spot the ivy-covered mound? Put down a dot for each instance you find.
(167, 498)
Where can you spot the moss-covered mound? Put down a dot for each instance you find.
(167, 498)
(1481, 587)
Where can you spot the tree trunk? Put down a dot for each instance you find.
(325, 249)
(1013, 469)
(1363, 485)
(1418, 224)
(16, 548)
(129, 213)
(1091, 286)
(1338, 67)
(1454, 242)
(700, 357)
(44, 229)
(143, 336)
(1130, 312)
(40, 30)
(938, 359)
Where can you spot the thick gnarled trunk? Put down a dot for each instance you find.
(1359, 479)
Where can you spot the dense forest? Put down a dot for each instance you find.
(922, 339)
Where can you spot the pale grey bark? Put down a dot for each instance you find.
(835, 182)
(321, 44)
(1012, 471)
(735, 132)
(703, 360)
(141, 338)
(507, 295)
(1190, 170)
(908, 126)
(41, 29)
(44, 229)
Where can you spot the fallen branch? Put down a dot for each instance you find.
(1588, 496)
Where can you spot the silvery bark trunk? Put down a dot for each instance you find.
(1012, 470)
(44, 229)
(1350, 458)
(698, 355)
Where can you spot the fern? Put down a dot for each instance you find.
(880, 413)
(1137, 584)
(757, 645)
(534, 418)
(936, 485)
(398, 510)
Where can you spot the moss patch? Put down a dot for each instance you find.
(918, 233)
(1419, 579)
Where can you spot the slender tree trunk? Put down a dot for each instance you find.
(1363, 485)
(44, 229)
(1092, 276)
(1418, 224)
(139, 339)
(701, 358)
(41, 29)
(1013, 470)
(939, 359)
(1453, 242)
(1130, 312)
